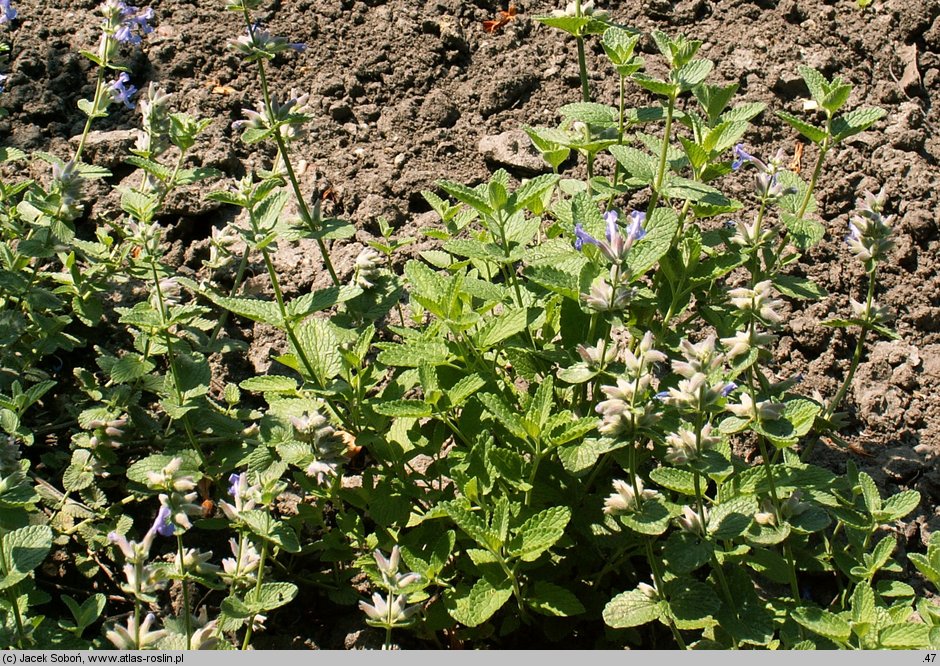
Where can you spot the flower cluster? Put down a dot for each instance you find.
(758, 301)
(767, 185)
(391, 610)
(627, 498)
(587, 9)
(122, 90)
(154, 137)
(245, 497)
(7, 12)
(258, 43)
(285, 117)
(368, 267)
(613, 292)
(143, 578)
(329, 447)
(869, 235)
(698, 390)
(133, 637)
(242, 569)
(626, 407)
(180, 498)
(125, 23)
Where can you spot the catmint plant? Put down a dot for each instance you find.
(391, 610)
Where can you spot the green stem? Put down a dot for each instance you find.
(99, 91)
(251, 620)
(664, 154)
(184, 580)
(302, 207)
(239, 275)
(171, 359)
(657, 578)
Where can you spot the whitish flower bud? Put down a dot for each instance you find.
(691, 521)
(132, 638)
(765, 410)
(625, 499)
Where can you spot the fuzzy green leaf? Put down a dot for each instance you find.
(639, 164)
(466, 387)
(480, 603)
(674, 479)
(823, 623)
(498, 329)
(413, 354)
(24, 549)
(264, 526)
(692, 604)
(632, 609)
(497, 406)
(660, 230)
(472, 524)
(898, 506)
(270, 596)
(855, 121)
(811, 132)
(403, 408)
(318, 342)
(255, 309)
(799, 287)
(554, 600)
(539, 533)
(693, 73)
(269, 384)
(467, 195)
(907, 636)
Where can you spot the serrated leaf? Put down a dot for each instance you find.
(539, 533)
(899, 505)
(799, 287)
(692, 604)
(322, 299)
(466, 195)
(413, 354)
(497, 406)
(269, 384)
(639, 164)
(907, 636)
(264, 526)
(685, 552)
(823, 623)
(255, 309)
(815, 82)
(632, 609)
(869, 492)
(466, 387)
(270, 596)
(660, 230)
(805, 231)
(138, 472)
(730, 518)
(24, 549)
(855, 121)
(318, 343)
(652, 519)
(403, 408)
(500, 328)
(554, 600)
(693, 73)
(656, 86)
(479, 604)
(811, 132)
(472, 523)
(677, 480)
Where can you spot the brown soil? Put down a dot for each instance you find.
(405, 91)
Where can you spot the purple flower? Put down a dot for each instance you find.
(133, 24)
(122, 90)
(662, 395)
(635, 229)
(7, 13)
(740, 157)
(728, 388)
(235, 480)
(162, 523)
(616, 245)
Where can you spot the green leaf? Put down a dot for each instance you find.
(811, 132)
(534, 190)
(255, 309)
(539, 533)
(799, 287)
(580, 457)
(270, 596)
(869, 492)
(817, 84)
(138, 472)
(466, 195)
(632, 609)
(479, 605)
(805, 231)
(656, 86)
(322, 299)
(591, 113)
(660, 230)
(269, 384)
(264, 526)
(500, 328)
(639, 164)
(318, 342)
(553, 600)
(504, 414)
(863, 603)
(79, 474)
(855, 121)
(685, 552)
(24, 549)
(899, 505)
(466, 387)
(472, 524)
(541, 406)
(693, 73)
(823, 623)
(652, 519)
(413, 354)
(692, 604)
(674, 479)
(730, 518)
(907, 636)
(403, 408)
